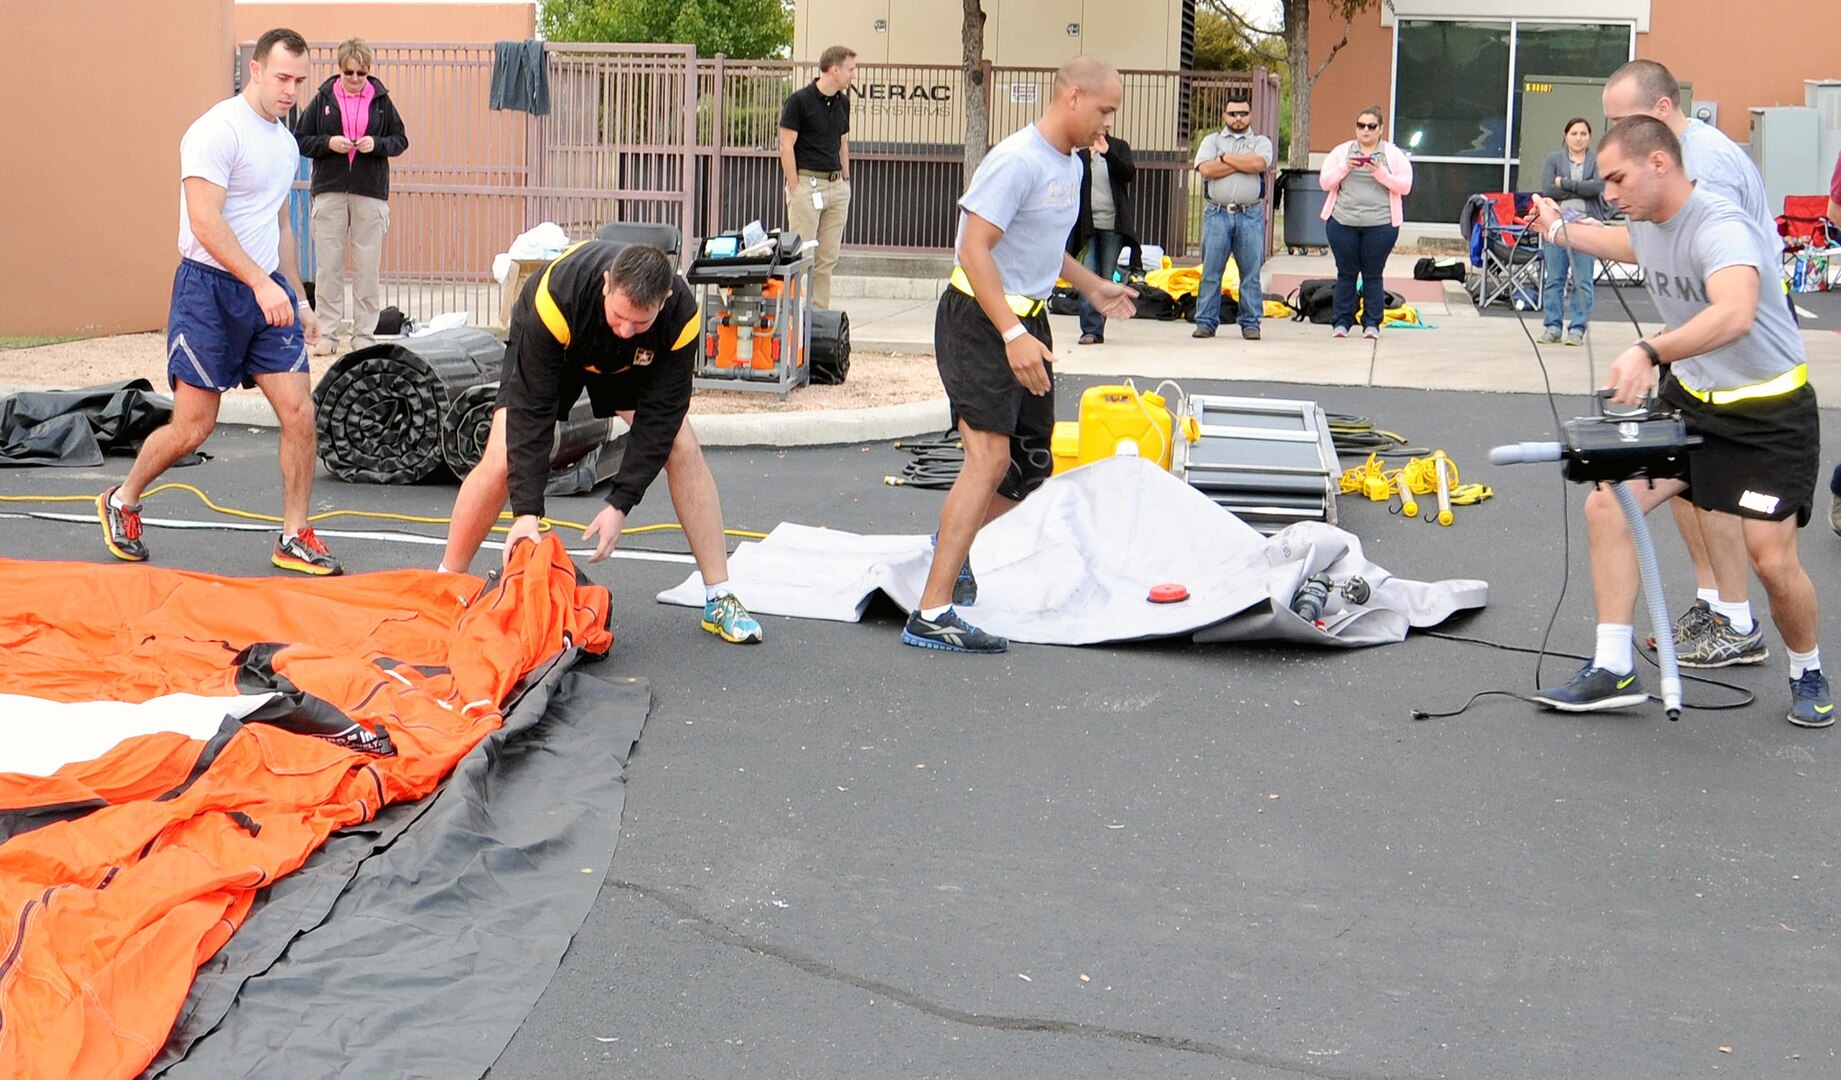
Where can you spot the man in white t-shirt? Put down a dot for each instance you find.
(236, 315)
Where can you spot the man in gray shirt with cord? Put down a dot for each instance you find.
(1733, 365)
(1718, 630)
(1233, 163)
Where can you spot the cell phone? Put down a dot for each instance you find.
(1360, 159)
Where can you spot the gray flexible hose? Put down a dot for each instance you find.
(1652, 592)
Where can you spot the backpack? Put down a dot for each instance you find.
(1065, 300)
(1314, 300)
(1433, 269)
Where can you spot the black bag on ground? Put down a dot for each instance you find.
(1436, 269)
(1065, 300)
(1314, 300)
(830, 347)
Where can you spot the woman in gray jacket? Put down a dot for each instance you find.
(1571, 177)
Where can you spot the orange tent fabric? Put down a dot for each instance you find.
(105, 917)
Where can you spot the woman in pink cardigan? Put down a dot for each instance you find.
(1365, 178)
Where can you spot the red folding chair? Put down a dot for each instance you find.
(1811, 244)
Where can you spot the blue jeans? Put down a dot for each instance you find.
(1101, 257)
(1243, 234)
(1555, 260)
(1360, 251)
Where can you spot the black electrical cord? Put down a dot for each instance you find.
(1542, 653)
(936, 464)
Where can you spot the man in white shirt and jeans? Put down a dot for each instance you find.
(236, 315)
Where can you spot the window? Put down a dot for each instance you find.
(1457, 97)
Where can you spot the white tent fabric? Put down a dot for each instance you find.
(39, 737)
(1074, 563)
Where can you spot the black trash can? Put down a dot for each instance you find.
(1302, 198)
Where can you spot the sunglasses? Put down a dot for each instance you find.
(1367, 126)
(1242, 112)
(354, 74)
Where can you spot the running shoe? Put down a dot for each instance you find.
(1716, 644)
(1594, 689)
(951, 633)
(729, 620)
(965, 586)
(1688, 624)
(305, 553)
(1810, 705)
(1550, 336)
(121, 528)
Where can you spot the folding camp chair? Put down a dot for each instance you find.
(1504, 248)
(1811, 244)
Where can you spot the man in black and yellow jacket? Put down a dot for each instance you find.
(615, 320)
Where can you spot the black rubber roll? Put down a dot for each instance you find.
(380, 411)
(830, 346)
(469, 422)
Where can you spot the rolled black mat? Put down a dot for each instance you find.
(380, 411)
(830, 346)
(581, 459)
(469, 421)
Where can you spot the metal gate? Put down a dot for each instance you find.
(618, 144)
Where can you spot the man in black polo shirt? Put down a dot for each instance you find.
(815, 156)
(616, 320)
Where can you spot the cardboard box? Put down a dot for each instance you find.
(521, 270)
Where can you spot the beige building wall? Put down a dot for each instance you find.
(1133, 34)
(90, 192)
(402, 21)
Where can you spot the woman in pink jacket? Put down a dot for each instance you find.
(1365, 178)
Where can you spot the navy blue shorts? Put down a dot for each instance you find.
(216, 337)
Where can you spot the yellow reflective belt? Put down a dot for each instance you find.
(1793, 379)
(1022, 306)
(547, 310)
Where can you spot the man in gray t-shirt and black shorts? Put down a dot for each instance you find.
(991, 336)
(1737, 373)
(1715, 629)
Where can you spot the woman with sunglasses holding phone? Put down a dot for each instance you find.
(1366, 178)
(350, 130)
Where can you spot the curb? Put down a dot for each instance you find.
(816, 428)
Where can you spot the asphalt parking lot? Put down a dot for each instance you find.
(842, 857)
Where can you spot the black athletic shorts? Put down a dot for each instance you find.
(983, 391)
(1760, 457)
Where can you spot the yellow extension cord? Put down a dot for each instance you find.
(1418, 476)
(546, 523)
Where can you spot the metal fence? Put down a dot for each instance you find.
(652, 133)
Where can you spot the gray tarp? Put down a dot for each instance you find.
(1073, 564)
(415, 945)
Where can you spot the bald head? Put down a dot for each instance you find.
(1087, 73)
(1643, 88)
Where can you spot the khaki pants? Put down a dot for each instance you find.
(354, 224)
(826, 226)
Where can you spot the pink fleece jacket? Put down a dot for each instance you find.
(1396, 177)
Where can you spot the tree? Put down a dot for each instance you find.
(744, 29)
(1223, 44)
(1296, 35)
(977, 108)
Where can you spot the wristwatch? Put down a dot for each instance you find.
(1655, 358)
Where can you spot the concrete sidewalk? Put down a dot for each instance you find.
(1465, 352)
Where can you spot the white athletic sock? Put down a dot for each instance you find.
(1739, 615)
(1614, 649)
(115, 500)
(721, 588)
(933, 614)
(1709, 596)
(442, 569)
(1801, 662)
